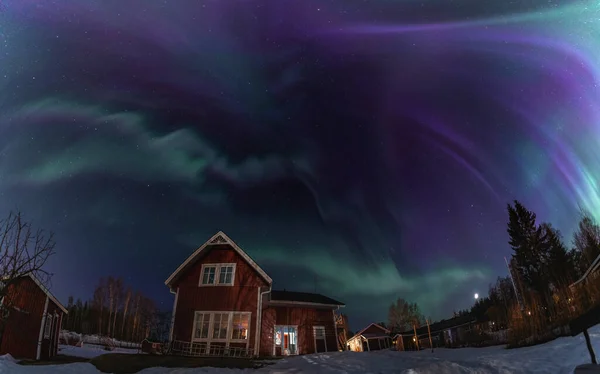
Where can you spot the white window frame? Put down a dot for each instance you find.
(217, 268)
(211, 321)
(194, 328)
(48, 326)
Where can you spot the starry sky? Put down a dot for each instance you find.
(363, 149)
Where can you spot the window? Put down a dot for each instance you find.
(319, 332)
(48, 326)
(220, 325)
(208, 275)
(202, 325)
(217, 275)
(240, 325)
(226, 274)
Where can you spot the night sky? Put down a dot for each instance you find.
(365, 149)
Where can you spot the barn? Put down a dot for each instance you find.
(31, 320)
(225, 305)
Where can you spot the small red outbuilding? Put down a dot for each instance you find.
(33, 318)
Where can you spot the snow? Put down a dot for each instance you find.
(72, 338)
(560, 356)
(91, 351)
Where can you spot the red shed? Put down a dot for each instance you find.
(33, 321)
(371, 338)
(224, 306)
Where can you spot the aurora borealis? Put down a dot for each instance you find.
(363, 148)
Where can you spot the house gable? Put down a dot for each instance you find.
(373, 328)
(217, 240)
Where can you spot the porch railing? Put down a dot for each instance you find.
(204, 349)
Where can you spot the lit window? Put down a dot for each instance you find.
(220, 325)
(226, 274)
(240, 326)
(208, 276)
(202, 324)
(48, 326)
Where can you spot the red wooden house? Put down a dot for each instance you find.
(32, 320)
(224, 304)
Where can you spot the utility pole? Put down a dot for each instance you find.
(416, 337)
(429, 331)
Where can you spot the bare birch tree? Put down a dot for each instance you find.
(111, 301)
(117, 293)
(125, 309)
(23, 251)
(99, 302)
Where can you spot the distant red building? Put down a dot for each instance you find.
(224, 304)
(33, 318)
(372, 338)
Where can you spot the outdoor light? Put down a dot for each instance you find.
(476, 296)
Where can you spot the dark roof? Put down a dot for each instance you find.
(303, 297)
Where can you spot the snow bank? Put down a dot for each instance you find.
(72, 338)
(100, 340)
(7, 357)
(90, 351)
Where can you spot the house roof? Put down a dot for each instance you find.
(47, 292)
(384, 332)
(302, 298)
(373, 335)
(218, 239)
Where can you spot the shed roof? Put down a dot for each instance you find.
(384, 332)
(47, 292)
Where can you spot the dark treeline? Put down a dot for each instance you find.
(538, 298)
(115, 310)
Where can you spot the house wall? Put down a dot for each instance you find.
(241, 297)
(305, 319)
(22, 327)
(50, 345)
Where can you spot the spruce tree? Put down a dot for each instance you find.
(559, 261)
(528, 243)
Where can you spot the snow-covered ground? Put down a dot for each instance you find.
(559, 356)
(91, 350)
